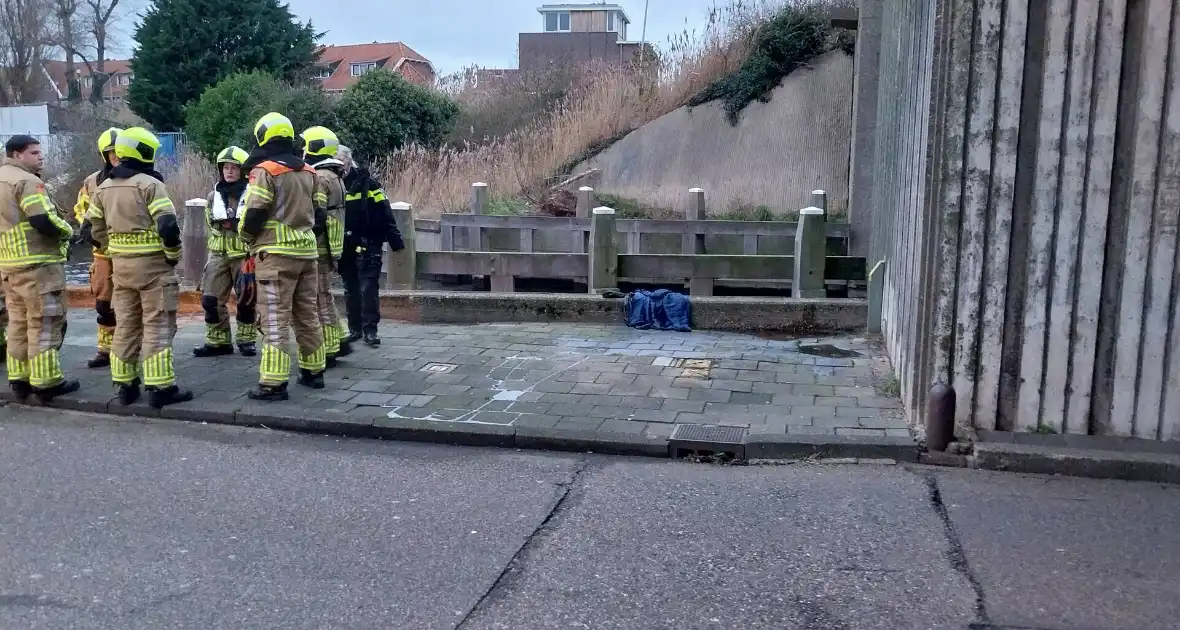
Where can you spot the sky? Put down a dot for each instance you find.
(455, 34)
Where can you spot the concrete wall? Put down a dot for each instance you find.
(777, 154)
(1031, 232)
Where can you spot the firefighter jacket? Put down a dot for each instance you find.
(279, 212)
(32, 231)
(82, 205)
(369, 222)
(133, 216)
(223, 218)
(330, 198)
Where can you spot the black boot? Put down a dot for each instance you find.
(247, 349)
(352, 337)
(21, 390)
(100, 360)
(212, 351)
(49, 393)
(372, 340)
(128, 392)
(330, 360)
(345, 348)
(269, 393)
(162, 397)
(314, 380)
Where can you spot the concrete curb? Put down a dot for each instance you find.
(1077, 462)
(372, 423)
(786, 446)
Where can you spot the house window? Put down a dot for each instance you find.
(324, 72)
(124, 79)
(557, 21)
(611, 21)
(357, 69)
(87, 82)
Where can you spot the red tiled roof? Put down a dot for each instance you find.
(394, 56)
(57, 71)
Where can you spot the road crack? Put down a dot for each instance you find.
(955, 554)
(516, 563)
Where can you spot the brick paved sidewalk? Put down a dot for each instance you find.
(504, 382)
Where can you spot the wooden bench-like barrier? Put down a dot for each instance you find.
(453, 228)
(595, 256)
(603, 266)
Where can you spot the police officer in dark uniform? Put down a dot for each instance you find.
(368, 226)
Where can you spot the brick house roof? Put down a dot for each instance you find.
(115, 87)
(394, 56)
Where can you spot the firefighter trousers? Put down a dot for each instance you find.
(145, 297)
(287, 290)
(101, 288)
(330, 321)
(218, 281)
(36, 303)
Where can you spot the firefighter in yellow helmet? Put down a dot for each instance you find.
(319, 150)
(278, 224)
(34, 240)
(132, 217)
(228, 258)
(100, 267)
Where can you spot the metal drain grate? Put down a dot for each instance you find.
(707, 441)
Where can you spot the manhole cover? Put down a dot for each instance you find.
(707, 441)
(439, 368)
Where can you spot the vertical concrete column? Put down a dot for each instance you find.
(819, 199)
(604, 251)
(694, 242)
(862, 156)
(810, 246)
(193, 242)
(479, 205)
(581, 240)
(876, 295)
(402, 267)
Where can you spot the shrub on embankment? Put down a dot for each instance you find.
(601, 105)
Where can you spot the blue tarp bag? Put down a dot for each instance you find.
(658, 310)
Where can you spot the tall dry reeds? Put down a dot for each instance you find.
(602, 105)
(606, 104)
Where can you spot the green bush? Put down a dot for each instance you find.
(226, 112)
(793, 37)
(382, 112)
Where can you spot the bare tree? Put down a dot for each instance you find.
(85, 31)
(23, 36)
(68, 35)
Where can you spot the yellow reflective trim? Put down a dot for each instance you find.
(132, 243)
(352, 196)
(258, 191)
(159, 206)
(35, 198)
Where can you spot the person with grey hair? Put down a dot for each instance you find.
(368, 226)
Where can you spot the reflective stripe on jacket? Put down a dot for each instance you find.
(124, 215)
(285, 197)
(22, 196)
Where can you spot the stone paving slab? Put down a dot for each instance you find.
(549, 385)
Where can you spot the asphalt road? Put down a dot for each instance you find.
(120, 524)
